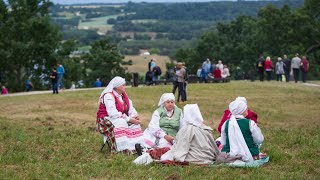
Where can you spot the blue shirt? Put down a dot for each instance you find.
(60, 71)
(97, 84)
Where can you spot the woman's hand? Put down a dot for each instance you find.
(169, 138)
(134, 120)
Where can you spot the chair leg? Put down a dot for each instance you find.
(109, 145)
(103, 146)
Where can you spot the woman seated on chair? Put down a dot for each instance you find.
(117, 118)
(165, 123)
(241, 137)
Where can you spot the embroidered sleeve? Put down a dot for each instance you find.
(132, 111)
(110, 104)
(154, 125)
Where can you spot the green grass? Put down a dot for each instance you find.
(52, 136)
(98, 22)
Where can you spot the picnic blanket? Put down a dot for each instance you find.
(239, 163)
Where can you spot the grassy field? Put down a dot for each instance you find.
(96, 22)
(52, 136)
(140, 63)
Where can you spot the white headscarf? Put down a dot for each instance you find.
(242, 99)
(165, 97)
(237, 143)
(114, 83)
(192, 114)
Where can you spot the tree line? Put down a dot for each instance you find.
(170, 21)
(30, 44)
(274, 32)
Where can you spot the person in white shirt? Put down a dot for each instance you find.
(118, 119)
(225, 72)
(165, 122)
(295, 65)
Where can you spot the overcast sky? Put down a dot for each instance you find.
(121, 1)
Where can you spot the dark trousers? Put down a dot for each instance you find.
(261, 74)
(279, 77)
(175, 86)
(55, 87)
(269, 75)
(182, 92)
(296, 74)
(185, 90)
(287, 74)
(304, 76)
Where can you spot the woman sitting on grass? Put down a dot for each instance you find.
(240, 137)
(118, 119)
(165, 123)
(227, 114)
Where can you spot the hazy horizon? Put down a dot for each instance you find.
(124, 1)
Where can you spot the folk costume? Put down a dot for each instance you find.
(194, 142)
(240, 136)
(227, 114)
(163, 122)
(114, 113)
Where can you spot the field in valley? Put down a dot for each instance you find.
(140, 63)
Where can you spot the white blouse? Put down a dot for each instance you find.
(154, 125)
(112, 111)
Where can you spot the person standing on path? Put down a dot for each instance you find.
(286, 67)
(295, 63)
(54, 81)
(260, 67)
(60, 71)
(304, 68)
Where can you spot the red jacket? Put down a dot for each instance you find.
(268, 65)
(251, 115)
(305, 65)
(217, 73)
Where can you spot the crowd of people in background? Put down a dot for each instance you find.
(284, 68)
(178, 75)
(153, 74)
(210, 70)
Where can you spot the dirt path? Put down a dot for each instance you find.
(50, 91)
(86, 89)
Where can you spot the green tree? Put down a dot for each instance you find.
(71, 63)
(312, 35)
(27, 38)
(104, 61)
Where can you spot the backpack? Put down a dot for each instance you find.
(157, 70)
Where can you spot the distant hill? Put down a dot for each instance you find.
(163, 27)
(125, 1)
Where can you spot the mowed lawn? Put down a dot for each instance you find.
(49, 136)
